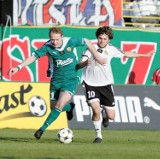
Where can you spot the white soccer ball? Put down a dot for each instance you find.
(65, 135)
(37, 106)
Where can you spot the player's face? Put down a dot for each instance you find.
(103, 40)
(56, 39)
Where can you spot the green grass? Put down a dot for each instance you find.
(117, 144)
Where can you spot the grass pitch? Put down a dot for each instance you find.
(117, 144)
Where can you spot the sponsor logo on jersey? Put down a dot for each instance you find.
(64, 62)
(105, 52)
(69, 49)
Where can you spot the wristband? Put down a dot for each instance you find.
(19, 67)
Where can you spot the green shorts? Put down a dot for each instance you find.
(57, 86)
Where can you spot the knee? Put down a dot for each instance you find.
(111, 116)
(96, 115)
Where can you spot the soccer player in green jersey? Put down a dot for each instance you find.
(50, 74)
(64, 82)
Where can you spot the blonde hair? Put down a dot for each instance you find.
(56, 30)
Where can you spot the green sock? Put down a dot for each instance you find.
(67, 107)
(51, 117)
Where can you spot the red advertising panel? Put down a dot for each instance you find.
(19, 45)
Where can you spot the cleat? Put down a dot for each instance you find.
(70, 113)
(105, 122)
(97, 140)
(38, 134)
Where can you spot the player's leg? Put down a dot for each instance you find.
(92, 96)
(64, 98)
(68, 108)
(108, 104)
(70, 111)
(108, 113)
(67, 88)
(96, 119)
(71, 87)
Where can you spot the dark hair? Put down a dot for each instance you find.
(56, 30)
(105, 30)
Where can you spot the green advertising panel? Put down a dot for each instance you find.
(19, 43)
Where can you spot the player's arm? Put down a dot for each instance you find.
(134, 55)
(26, 62)
(92, 49)
(85, 59)
(82, 64)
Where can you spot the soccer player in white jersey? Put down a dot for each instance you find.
(98, 78)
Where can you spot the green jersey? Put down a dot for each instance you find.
(64, 58)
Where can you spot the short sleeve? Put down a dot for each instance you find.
(40, 52)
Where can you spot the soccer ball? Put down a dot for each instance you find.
(37, 106)
(65, 135)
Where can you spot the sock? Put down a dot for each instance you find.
(51, 117)
(104, 114)
(67, 107)
(97, 126)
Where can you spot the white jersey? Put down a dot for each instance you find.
(96, 74)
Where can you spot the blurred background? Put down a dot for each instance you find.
(136, 24)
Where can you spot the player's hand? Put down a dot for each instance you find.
(13, 70)
(101, 60)
(89, 61)
(148, 54)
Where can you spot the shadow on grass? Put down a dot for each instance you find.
(27, 140)
(10, 157)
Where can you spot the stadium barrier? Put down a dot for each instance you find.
(137, 107)
(25, 105)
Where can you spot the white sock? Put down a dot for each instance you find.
(97, 127)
